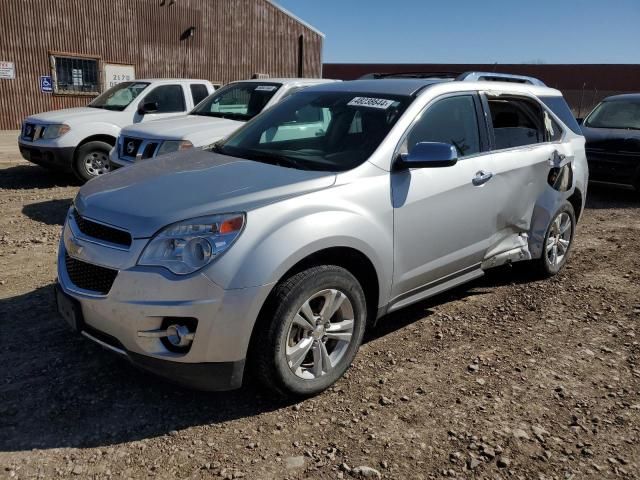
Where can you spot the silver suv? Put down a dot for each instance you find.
(275, 255)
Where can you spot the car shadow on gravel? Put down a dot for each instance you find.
(58, 389)
(604, 196)
(26, 177)
(50, 212)
(497, 277)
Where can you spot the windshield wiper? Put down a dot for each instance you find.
(273, 159)
(229, 116)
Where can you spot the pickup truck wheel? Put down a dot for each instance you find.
(314, 333)
(92, 160)
(557, 242)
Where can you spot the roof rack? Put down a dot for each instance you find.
(498, 77)
(444, 75)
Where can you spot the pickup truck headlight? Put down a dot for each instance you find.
(188, 246)
(55, 131)
(169, 146)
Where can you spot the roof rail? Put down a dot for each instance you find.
(498, 77)
(443, 75)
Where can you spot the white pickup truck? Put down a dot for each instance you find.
(213, 119)
(78, 140)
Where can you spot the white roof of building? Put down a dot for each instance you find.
(296, 18)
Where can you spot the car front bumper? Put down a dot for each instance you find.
(47, 156)
(622, 168)
(141, 299)
(116, 161)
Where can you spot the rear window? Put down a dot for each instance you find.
(559, 106)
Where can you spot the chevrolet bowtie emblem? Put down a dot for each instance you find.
(74, 247)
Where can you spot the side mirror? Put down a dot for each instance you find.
(580, 120)
(147, 107)
(429, 155)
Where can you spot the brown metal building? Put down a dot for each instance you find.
(80, 47)
(583, 85)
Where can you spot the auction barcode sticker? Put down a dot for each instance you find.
(382, 103)
(265, 88)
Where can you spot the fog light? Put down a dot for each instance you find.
(179, 335)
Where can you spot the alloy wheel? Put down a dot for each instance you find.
(320, 334)
(559, 239)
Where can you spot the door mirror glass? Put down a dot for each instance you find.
(429, 155)
(147, 107)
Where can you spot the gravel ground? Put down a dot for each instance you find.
(509, 377)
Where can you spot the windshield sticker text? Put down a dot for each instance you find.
(381, 103)
(265, 88)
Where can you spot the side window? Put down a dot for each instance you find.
(168, 97)
(198, 92)
(516, 122)
(451, 120)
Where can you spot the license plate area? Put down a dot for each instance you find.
(69, 309)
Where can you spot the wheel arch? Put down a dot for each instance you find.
(576, 200)
(101, 137)
(349, 258)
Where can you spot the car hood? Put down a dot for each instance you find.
(612, 139)
(198, 129)
(149, 195)
(74, 115)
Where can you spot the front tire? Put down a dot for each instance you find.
(312, 333)
(557, 242)
(92, 160)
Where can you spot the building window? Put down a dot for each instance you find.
(75, 75)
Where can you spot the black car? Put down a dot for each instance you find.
(612, 132)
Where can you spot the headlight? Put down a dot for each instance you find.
(55, 131)
(174, 146)
(188, 246)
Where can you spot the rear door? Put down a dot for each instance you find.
(524, 149)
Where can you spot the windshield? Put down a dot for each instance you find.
(615, 114)
(238, 101)
(333, 131)
(119, 96)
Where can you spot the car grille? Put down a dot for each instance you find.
(150, 150)
(89, 277)
(129, 147)
(101, 232)
(28, 131)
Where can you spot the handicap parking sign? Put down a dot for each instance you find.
(46, 85)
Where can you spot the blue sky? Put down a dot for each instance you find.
(475, 31)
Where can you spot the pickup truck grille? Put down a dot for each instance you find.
(129, 147)
(102, 232)
(28, 131)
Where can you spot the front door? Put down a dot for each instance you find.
(443, 217)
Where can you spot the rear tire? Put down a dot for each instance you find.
(311, 334)
(92, 160)
(557, 242)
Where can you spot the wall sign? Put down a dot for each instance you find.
(115, 73)
(46, 85)
(7, 70)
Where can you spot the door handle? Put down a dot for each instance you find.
(481, 178)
